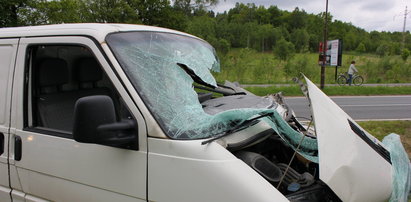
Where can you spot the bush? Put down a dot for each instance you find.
(284, 49)
(222, 46)
(298, 65)
(405, 53)
(251, 67)
(361, 48)
(383, 50)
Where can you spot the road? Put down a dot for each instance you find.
(366, 84)
(361, 107)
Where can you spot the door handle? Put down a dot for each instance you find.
(1, 143)
(17, 148)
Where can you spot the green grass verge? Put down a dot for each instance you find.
(334, 90)
(287, 90)
(248, 66)
(382, 128)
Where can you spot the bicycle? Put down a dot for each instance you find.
(357, 80)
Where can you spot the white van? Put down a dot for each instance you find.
(112, 112)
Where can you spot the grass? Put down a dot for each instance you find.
(334, 90)
(287, 90)
(248, 66)
(382, 128)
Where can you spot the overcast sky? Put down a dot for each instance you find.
(380, 15)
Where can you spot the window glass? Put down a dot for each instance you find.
(163, 68)
(59, 76)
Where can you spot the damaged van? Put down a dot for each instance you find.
(114, 112)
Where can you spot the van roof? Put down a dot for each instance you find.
(96, 30)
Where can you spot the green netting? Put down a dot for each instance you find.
(150, 60)
(401, 168)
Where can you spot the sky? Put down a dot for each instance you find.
(379, 15)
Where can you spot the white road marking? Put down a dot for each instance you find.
(381, 105)
(406, 119)
(355, 96)
(370, 96)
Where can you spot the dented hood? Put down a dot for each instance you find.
(352, 163)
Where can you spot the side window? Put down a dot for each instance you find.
(56, 77)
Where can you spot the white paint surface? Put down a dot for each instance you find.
(348, 165)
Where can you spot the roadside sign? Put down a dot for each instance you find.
(333, 55)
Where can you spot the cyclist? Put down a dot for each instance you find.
(351, 71)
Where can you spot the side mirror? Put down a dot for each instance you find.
(95, 122)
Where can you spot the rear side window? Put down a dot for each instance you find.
(56, 77)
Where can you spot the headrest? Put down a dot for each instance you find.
(52, 71)
(88, 70)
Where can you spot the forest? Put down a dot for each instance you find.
(244, 26)
(255, 44)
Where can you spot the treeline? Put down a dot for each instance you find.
(272, 29)
(244, 26)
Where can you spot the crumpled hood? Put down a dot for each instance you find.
(354, 164)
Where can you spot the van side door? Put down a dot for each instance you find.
(51, 75)
(8, 51)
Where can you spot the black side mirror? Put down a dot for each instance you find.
(95, 122)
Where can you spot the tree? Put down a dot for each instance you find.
(361, 48)
(245, 25)
(284, 49)
(113, 11)
(314, 42)
(285, 33)
(223, 46)
(9, 15)
(337, 30)
(73, 11)
(383, 50)
(248, 34)
(149, 12)
(395, 48)
(53, 12)
(405, 53)
(350, 41)
(203, 27)
(174, 19)
(298, 65)
(243, 13)
(297, 19)
(300, 39)
(275, 15)
(262, 15)
(188, 6)
(265, 34)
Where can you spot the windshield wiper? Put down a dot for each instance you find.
(236, 128)
(206, 86)
(194, 76)
(220, 90)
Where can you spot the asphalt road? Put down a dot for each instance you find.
(365, 84)
(361, 107)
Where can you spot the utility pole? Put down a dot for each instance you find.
(403, 28)
(324, 47)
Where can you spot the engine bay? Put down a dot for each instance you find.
(267, 153)
(285, 152)
(286, 170)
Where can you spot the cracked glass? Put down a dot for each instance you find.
(163, 67)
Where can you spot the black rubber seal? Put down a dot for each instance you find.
(377, 147)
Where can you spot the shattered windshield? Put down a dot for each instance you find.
(157, 64)
(163, 68)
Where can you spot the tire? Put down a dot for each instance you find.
(358, 80)
(341, 80)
